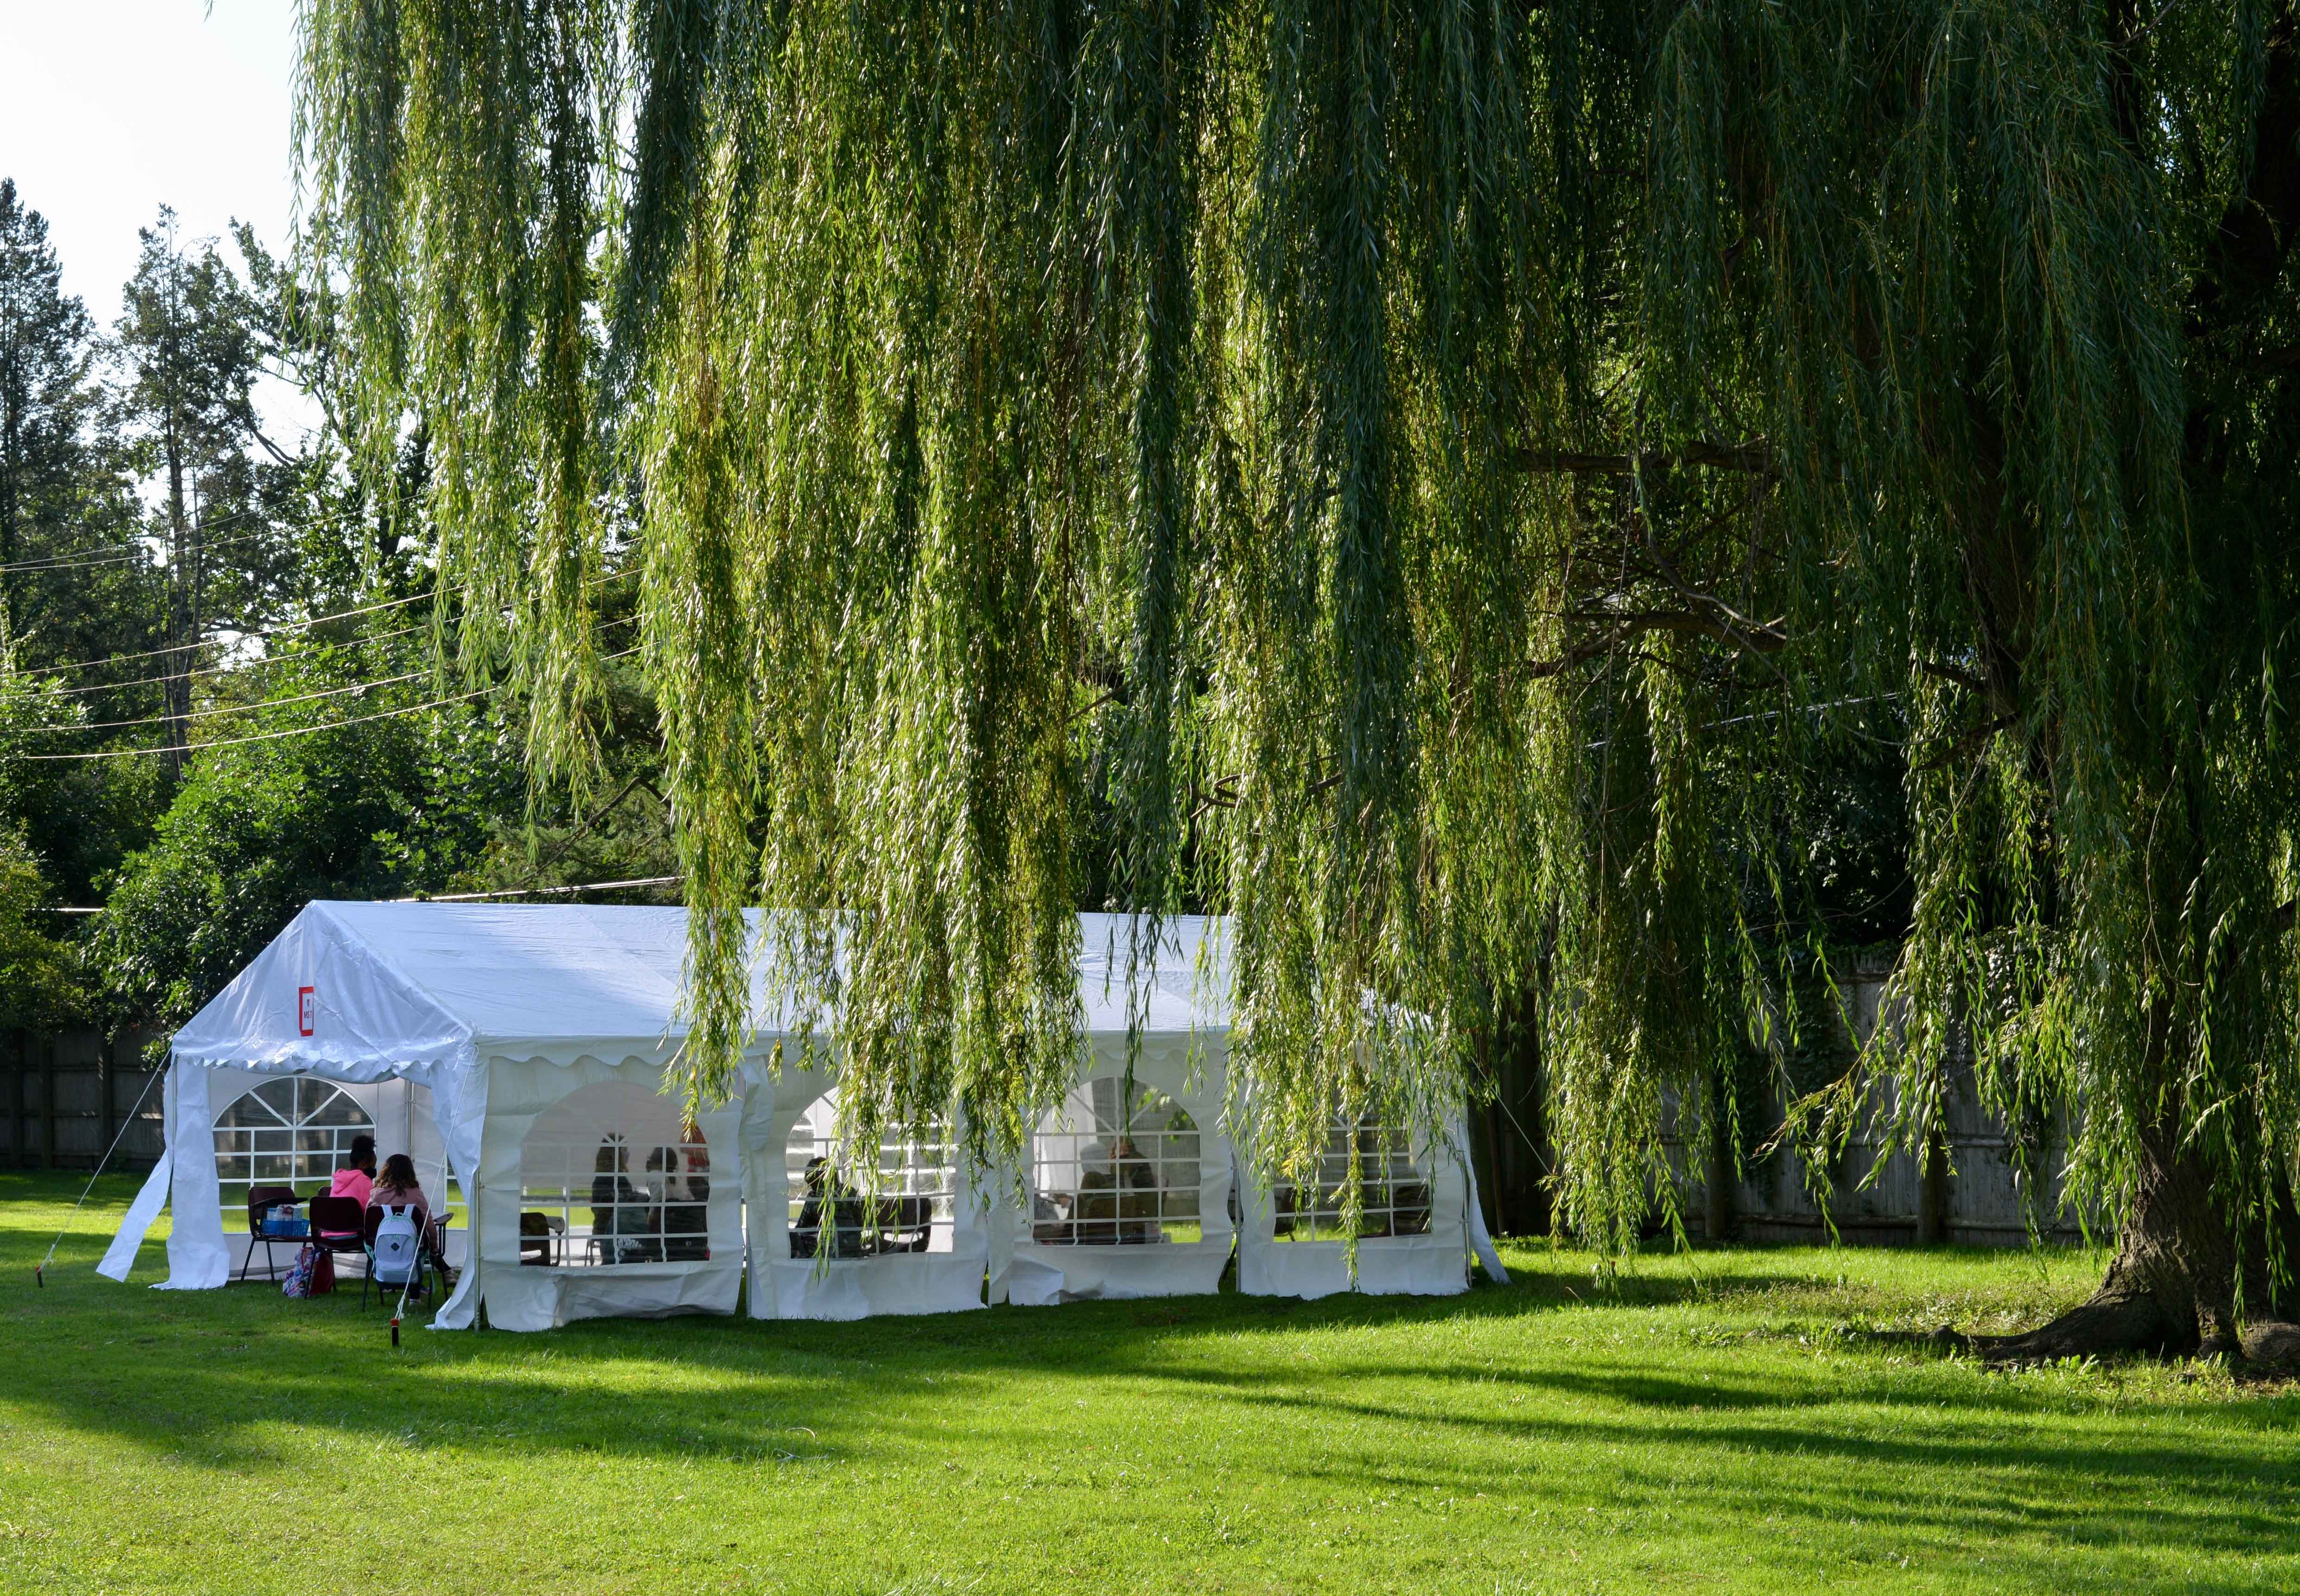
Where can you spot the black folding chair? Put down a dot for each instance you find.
(261, 1202)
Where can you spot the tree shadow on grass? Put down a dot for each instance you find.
(203, 1376)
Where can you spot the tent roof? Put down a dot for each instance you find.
(359, 988)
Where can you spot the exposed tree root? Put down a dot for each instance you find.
(2272, 1350)
(2111, 1322)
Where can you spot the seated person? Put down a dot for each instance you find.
(1409, 1208)
(1049, 1217)
(355, 1180)
(621, 1218)
(1118, 1196)
(686, 1195)
(824, 1188)
(397, 1187)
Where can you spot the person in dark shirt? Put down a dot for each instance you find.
(686, 1173)
(824, 1189)
(622, 1217)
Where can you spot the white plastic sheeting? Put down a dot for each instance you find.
(946, 1278)
(1434, 1263)
(1186, 1070)
(498, 1012)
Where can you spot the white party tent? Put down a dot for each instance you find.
(536, 1034)
(527, 1044)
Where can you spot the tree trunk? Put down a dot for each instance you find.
(11, 446)
(177, 690)
(2170, 1290)
(1717, 1207)
(1932, 1191)
(1517, 1142)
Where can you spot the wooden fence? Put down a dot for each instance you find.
(1969, 1190)
(66, 1096)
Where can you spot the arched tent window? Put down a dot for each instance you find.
(1108, 1172)
(905, 1205)
(1395, 1190)
(609, 1175)
(293, 1131)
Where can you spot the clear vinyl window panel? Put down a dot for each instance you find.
(905, 1202)
(1107, 1171)
(1394, 1189)
(292, 1132)
(610, 1177)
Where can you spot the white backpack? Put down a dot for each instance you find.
(398, 1246)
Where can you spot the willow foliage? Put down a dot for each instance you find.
(1442, 474)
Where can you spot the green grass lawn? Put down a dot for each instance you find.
(1708, 1425)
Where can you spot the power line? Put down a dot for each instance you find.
(205, 543)
(229, 709)
(293, 731)
(73, 561)
(283, 630)
(257, 663)
(264, 703)
(179, 648)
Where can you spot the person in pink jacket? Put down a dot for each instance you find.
(356, 1178)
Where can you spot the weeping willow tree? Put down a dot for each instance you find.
(1439, 477)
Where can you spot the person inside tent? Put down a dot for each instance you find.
(685, 1226)
(825, 1190)
(621, 1218)
(356, 1178)
(1118, 1194)
(396, 1187)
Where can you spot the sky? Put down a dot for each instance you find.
(110, 108)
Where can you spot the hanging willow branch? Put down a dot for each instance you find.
(1421, 477)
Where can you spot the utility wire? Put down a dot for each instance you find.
(283, 630)
(263, 703)
(293, 731)
(71, 559)
(229, 709)
(179, 648)
(30, 567)
(258, 663)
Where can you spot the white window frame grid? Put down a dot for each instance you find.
(555, 1179)
(1063, 1214)
(1386, 1170)
(909, 1170)
(313, 1151)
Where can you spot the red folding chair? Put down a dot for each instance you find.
(336, 1227)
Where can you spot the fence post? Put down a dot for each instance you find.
(106, 1092)
(48, 1103)
(1932, 1191)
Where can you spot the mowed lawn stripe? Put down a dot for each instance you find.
(1713, 1421)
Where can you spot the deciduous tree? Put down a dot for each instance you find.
(1454, 469)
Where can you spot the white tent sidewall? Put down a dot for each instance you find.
(537, 1296)
(1188, 1069)
(843, 1288)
